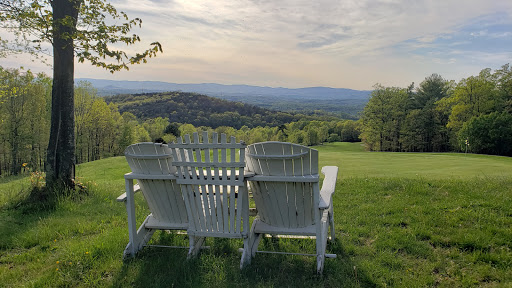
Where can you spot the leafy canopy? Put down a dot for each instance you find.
(94, 39)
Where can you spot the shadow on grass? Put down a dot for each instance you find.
(24, 212)
(219, 267)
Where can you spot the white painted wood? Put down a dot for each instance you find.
(132, 175)
(310, 198)
(122, 197)
(279, 157)
(293, 213)
(295, 179)
(196, 243)
(154, 223)
(217, 188)
(286, 192)
(299, 254)
(314, 162)
(212, 207)
(265, 228)
(212, 181)
(289, 253)
(130, 209)
(299, 203)
(328, 186)
(225, 198)
(151, 165)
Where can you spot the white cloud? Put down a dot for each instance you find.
(481, 33)
(297, 43)
(501, 35)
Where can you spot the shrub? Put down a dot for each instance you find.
(488, 134)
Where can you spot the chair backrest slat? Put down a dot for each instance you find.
(212, 179)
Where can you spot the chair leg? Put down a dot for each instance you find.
(321, 242)
(333, 232)
(254, 239)
(255, 243)
(195, 246)
(138, 240)
(146, 235)
(320, 260)
(128, 251)
(246, 254)
(131, 248)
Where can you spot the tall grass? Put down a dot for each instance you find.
(393, 227)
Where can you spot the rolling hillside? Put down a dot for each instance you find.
(202, 110)
(340, 101)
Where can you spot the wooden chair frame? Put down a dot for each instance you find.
(286, 192)
(212, 179)
(151, 165)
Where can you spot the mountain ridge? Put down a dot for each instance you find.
(332, 100)
(161, 86)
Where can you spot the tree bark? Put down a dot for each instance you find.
(60, 161)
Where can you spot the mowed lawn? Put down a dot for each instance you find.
(402, 220)
(354, 161)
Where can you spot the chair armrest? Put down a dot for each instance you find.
(122, 197)
(328, 186)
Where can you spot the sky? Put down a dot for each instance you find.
(294, 43)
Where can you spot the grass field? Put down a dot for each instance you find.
(402, 220)
(355, 162)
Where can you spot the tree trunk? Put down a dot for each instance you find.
(60, 160)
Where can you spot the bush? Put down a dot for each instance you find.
(333, 137)
(488, 134)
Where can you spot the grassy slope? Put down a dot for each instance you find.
(409, 220)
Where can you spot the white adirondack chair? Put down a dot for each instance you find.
(211, 175)
(286, 192)
(151, 165)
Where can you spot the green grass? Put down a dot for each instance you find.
(402, 220)
(353, 161)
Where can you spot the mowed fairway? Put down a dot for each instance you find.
(402, 220)
(354, 161)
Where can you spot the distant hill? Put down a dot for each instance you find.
(343, 102)
(202, 110)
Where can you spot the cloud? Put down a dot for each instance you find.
(484, 39)
(349, 43)
(255, 41)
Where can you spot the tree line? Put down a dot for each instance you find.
(24, 120)
(202, 110)
(103, 130)
(76, 30)
(473, 115)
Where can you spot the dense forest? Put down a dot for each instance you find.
(24, 120)
(201, 110)
(473, 115)
(104, 129)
